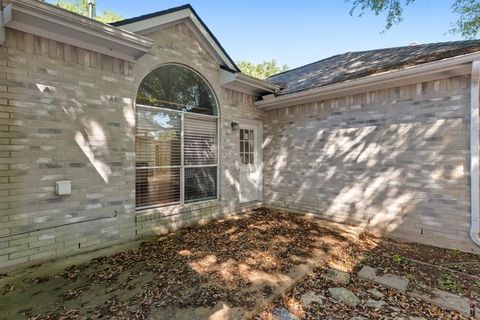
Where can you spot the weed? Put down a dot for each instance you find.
(477, 283)
(411, 276)
(447, 282)
(454, 251)
(398, 258)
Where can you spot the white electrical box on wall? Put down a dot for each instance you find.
(63, 187)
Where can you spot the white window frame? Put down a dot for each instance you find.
(182, 164)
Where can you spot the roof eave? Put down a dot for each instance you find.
(243, 83)
(49, 21)
(446, 68)
(169, 17)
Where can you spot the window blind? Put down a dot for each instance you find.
(159, 163)
(200, 158)
(200, 141)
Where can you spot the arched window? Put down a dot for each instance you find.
(176, 138)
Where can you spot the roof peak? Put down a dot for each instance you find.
(152, 15)
(153, 21)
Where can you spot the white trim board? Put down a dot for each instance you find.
(449, 67)
(186, 15)
(258, 125)
(49, 21)
(246, 84)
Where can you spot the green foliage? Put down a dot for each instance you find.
(447, 282)
(454, 251)
(468, 24)
(412, 277)
(81, 7)
(393, 9)
(398, 258)
(108, 16)
(468, 11)
(261, 70)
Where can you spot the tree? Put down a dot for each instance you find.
(468, 23)
(81, 7)
(261, 70)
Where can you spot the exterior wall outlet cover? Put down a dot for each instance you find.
(63, 187)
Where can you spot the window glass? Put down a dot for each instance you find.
(247, 146)
(157, 148)
(178, 88)
(200, 141)
(200, 183)
(176, 136)
(158, 137)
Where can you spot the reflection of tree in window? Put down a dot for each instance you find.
(178, 88)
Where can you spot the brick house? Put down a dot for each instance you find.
(113, 132)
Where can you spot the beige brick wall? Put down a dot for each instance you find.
(68, 114)
(178, 44)
(395, 160)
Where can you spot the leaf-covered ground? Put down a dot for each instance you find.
(449, 270)
(227, 269)
(426, 267)
(396, 305)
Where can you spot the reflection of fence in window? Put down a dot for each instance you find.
(176, 138)
(247, 138)
(159, 157)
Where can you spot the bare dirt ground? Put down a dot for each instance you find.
(231, 269)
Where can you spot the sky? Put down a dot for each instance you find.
(297, 32)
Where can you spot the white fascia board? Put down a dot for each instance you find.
(51, 22)
(259, 83)
(243, 83)
(446, 68)
(474, 153)
(153, 24)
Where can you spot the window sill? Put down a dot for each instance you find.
(175, 209)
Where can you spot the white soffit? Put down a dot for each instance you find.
(186, 15)
(246, 84)
(49, 21)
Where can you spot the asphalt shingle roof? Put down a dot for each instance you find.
(354, 65)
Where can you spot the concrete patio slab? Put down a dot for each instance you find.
(387, 280)
(444, 300)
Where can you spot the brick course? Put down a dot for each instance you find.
(68, 114)
(395, 161)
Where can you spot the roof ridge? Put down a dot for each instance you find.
(374, 50)
(416, 45)
(151, 15)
